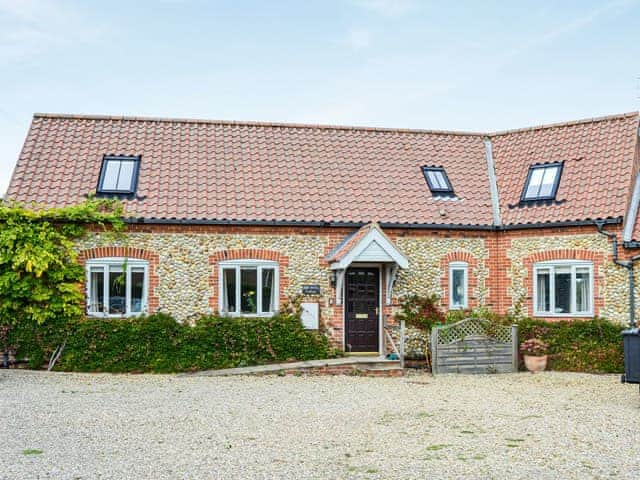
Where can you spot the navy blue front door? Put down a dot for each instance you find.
(362, 297)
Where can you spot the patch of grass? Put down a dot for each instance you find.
(467, 431)
(479, 456)
(511, 440)
(438, 446)
(512, 445)
(527, 417)
(386, 419)
(31, 451)
(425, 415)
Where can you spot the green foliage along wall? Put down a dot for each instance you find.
(158, 343)
(39, 276)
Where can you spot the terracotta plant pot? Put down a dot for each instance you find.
(535, 364)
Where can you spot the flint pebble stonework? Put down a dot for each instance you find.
(611, 287)
(185, 287)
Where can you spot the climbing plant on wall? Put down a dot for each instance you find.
(40, 279)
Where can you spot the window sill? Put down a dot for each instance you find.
(458, 307)
(101, 315)
(562, 315)
(247, 315)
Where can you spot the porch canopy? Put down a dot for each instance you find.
(367, 245)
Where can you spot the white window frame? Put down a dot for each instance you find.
(259, 265)
(464, 266)
(550, 265)
(119, 262)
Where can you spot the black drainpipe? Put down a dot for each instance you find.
(628, 264)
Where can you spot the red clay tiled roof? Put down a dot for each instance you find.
(597, 174)
(215, 170)
(349, 242)
(250, 171)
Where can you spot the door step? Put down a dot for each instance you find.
(364, 366)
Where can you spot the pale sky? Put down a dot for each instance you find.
(465, 65)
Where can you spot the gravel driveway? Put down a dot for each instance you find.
(552, 425)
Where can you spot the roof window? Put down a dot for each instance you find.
(542, 182)
(119, 174)
(437, 180)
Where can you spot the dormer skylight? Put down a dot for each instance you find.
(119, 175)
(438, 181)
(542, 182)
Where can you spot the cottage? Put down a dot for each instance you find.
(237, 217)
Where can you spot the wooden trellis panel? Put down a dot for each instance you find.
(474, 346)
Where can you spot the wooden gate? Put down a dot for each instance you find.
(474, 346)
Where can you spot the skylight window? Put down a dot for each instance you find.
(542, 182)
(119, 175)
(437, 180)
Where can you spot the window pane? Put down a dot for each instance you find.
(249, 290)
(548, 181)
(229, 290)
(543, 287)
(435, 180)
(96, 290)
(534, 183)
(583, 290)
(137, 289)
(111, 171)
(117, 289)
(125, 178)
(268, 291)
(562, 277)
(457, 287)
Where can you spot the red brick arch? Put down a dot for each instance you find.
(153, 301)
(459, 256)
(597, 258)
(247, 254)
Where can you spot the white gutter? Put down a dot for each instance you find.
(493, 183)
(632, 214)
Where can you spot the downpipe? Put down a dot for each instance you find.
(628, 264)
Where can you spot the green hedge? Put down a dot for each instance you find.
(157, 343)
(593, 346)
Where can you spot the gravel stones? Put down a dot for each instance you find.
(551, 425)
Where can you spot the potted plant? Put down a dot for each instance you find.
(534, 352)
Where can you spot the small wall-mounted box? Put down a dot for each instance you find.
(310, 315)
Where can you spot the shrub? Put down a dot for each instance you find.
(534, 347)
(580, 346)
(158, 343)
(421, 312)
(40, 279)
(593, 346)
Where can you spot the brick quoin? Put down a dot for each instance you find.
(247, 254)
(153, 302)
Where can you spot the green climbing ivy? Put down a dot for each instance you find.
(40, 278)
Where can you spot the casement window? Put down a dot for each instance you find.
(437, 180)
(119, 175)
(542, 182)
(563, 288)
(117, 287)
(458, 285)
(248, 287)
